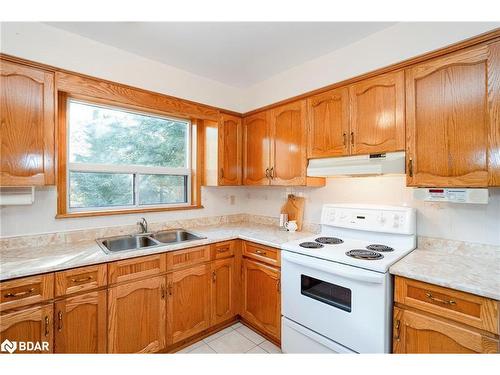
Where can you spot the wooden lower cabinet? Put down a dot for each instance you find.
(416, 332)
(188, 305)
(80, 324)
(136, 316)
(223, 303)
(32, 324)
(261, 305)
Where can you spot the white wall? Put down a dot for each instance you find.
(40, 217)
(49, 45)
(396, 43)
(463, 222)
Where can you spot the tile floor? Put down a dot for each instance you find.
(236, 339)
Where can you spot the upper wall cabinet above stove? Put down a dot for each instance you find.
(274, 147)
(453, 123)
(27, 118)
(223, 151)
(364, 118)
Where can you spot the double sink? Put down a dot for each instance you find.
(146, 240)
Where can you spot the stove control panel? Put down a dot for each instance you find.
(387, 219)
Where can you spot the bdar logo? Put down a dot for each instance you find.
(8, 346)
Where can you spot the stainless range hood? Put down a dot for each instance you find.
(362, 165)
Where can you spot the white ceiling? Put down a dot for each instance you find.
(238, 54)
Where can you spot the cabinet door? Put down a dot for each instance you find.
(328, 115)
(85, 313)
(136, 316)
(188, 302)
(448, 121)
(27, 117)
(261, 297)
(229, 153)
(32, 324)
(288, 148)
(418, 333)
(223, 291)
(377, 114)
(256, 149)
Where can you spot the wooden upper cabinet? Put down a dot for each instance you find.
(377, 114)
(27, 125)
(256, 148)
(136, 316)
(230, 138)
(80, 324)
(414, 332)
(261, 304)
(448, 122)
(494, 112)
(31, 324)
(288, 147)
(328, 119)
(188, 306)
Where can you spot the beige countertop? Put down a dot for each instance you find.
(36, 260)
(472, 268)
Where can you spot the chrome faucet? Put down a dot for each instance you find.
(144, 225)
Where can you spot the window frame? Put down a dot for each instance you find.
(64, 166)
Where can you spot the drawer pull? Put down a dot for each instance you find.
(260, 252)
(19, 294)
(214, 277)
(432, 298)
(83, 279)
(223, 249)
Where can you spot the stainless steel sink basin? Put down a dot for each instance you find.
(174, 236)
(144, 241)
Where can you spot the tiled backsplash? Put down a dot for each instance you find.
(76, 236)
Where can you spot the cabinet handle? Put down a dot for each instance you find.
(278, 286)
(223, 249)
(46, 326)
(169, 289)
(344, 135)
(260, 252)
(397, 328)
(271, 172)
(82, 279)
(222, 173)
(446, 302)
(60, 321)
(267, 172)
(410, 167)
(214, 276)
(162, 291)
(19, 294)
(352, 138)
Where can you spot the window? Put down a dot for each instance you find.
(122, 159)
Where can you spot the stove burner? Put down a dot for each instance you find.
(329, 240)
(311, 245)
(364, 254)
(380, 248)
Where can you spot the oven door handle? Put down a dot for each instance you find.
(333, 268)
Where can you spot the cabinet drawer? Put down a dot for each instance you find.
(26, 291)
(188, 257)
(131, 269)
(223, 249)
(263, 253)
(80, 279)
(470, 309)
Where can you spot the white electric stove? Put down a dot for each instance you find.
(336, 289)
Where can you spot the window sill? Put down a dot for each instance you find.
(124, 212)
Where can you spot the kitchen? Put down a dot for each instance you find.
(359, 213)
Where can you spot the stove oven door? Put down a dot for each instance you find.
(349, 305)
